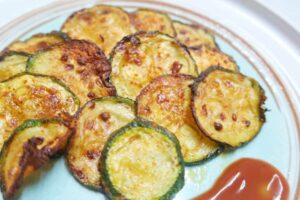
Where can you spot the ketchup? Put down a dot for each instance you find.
(248, 179)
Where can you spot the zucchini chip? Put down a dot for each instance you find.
(80, 64)
(142, 161)
(37, 42)
(166, 101)
(30, 147)
(228, 106)
(103, 25)
(139, 58)
(206, 57)
(95, 122)
(149, 20)
(27, 96)
(12, 63)
(193, 35)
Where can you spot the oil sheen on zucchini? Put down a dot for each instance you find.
(103, 25)
(228, 106)
(94, 124)
(27, 96)
(166, 101)
(193, 35)
(12, 63)
(149, 20)
(206, 57)
(142, 161)
(30, 147)
(139, 58)
(80, 64)
(37, 42)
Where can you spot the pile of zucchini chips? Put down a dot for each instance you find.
(128, 98)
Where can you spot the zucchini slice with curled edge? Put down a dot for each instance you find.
(228, 106)
(206, 57)
(37, 42)
(27, 96)
(94, 123)
(142, 161)
(139, 58)
(166, 101)
(30, 147)
(193, 35)
(12, 63)
(80, 64)
(103, 25)
(150, 20)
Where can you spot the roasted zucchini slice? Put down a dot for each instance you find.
(149, 20)
(27, 96)
(103, 25)
(193, 35)
(30, 147)
(228, 106)
(94, 123)
(206, 57)
(80, 64)
(37, 42)
(12, 63)
(139, 58)
(142, 161)
(166, 101)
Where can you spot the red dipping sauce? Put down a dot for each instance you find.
(248, 179)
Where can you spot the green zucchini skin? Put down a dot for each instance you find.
(108, 187)
(201, 78)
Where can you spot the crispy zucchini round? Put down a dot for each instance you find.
(150, 20)
(103, 25)
(228, 106)
(31, 146)
(166, 101)
(139, 58)
(193, 35)
(94, 124)
(142, 161)
(206, 57)
(12, 63)
(80, 64)
(27, 96)
(37, 42)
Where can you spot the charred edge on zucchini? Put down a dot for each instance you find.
(26, 47)
(174, 114)
(152, 20)
(32, 158)
(202, 78)
(79, 64)
(128, 50)
(108, 186)
(194, 30)
(93, 154)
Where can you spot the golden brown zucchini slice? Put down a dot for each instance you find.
(27, 96)
(228, 106)
(103, 25)
(193, 35)
(94, 124)
(30, 147)
(80, 64)
(142, 161)
(12, 63)
(150, 20)
(37, 42)
(139, 58)
(166, 101)
(206, 57)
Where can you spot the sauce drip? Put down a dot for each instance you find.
(248, 179)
